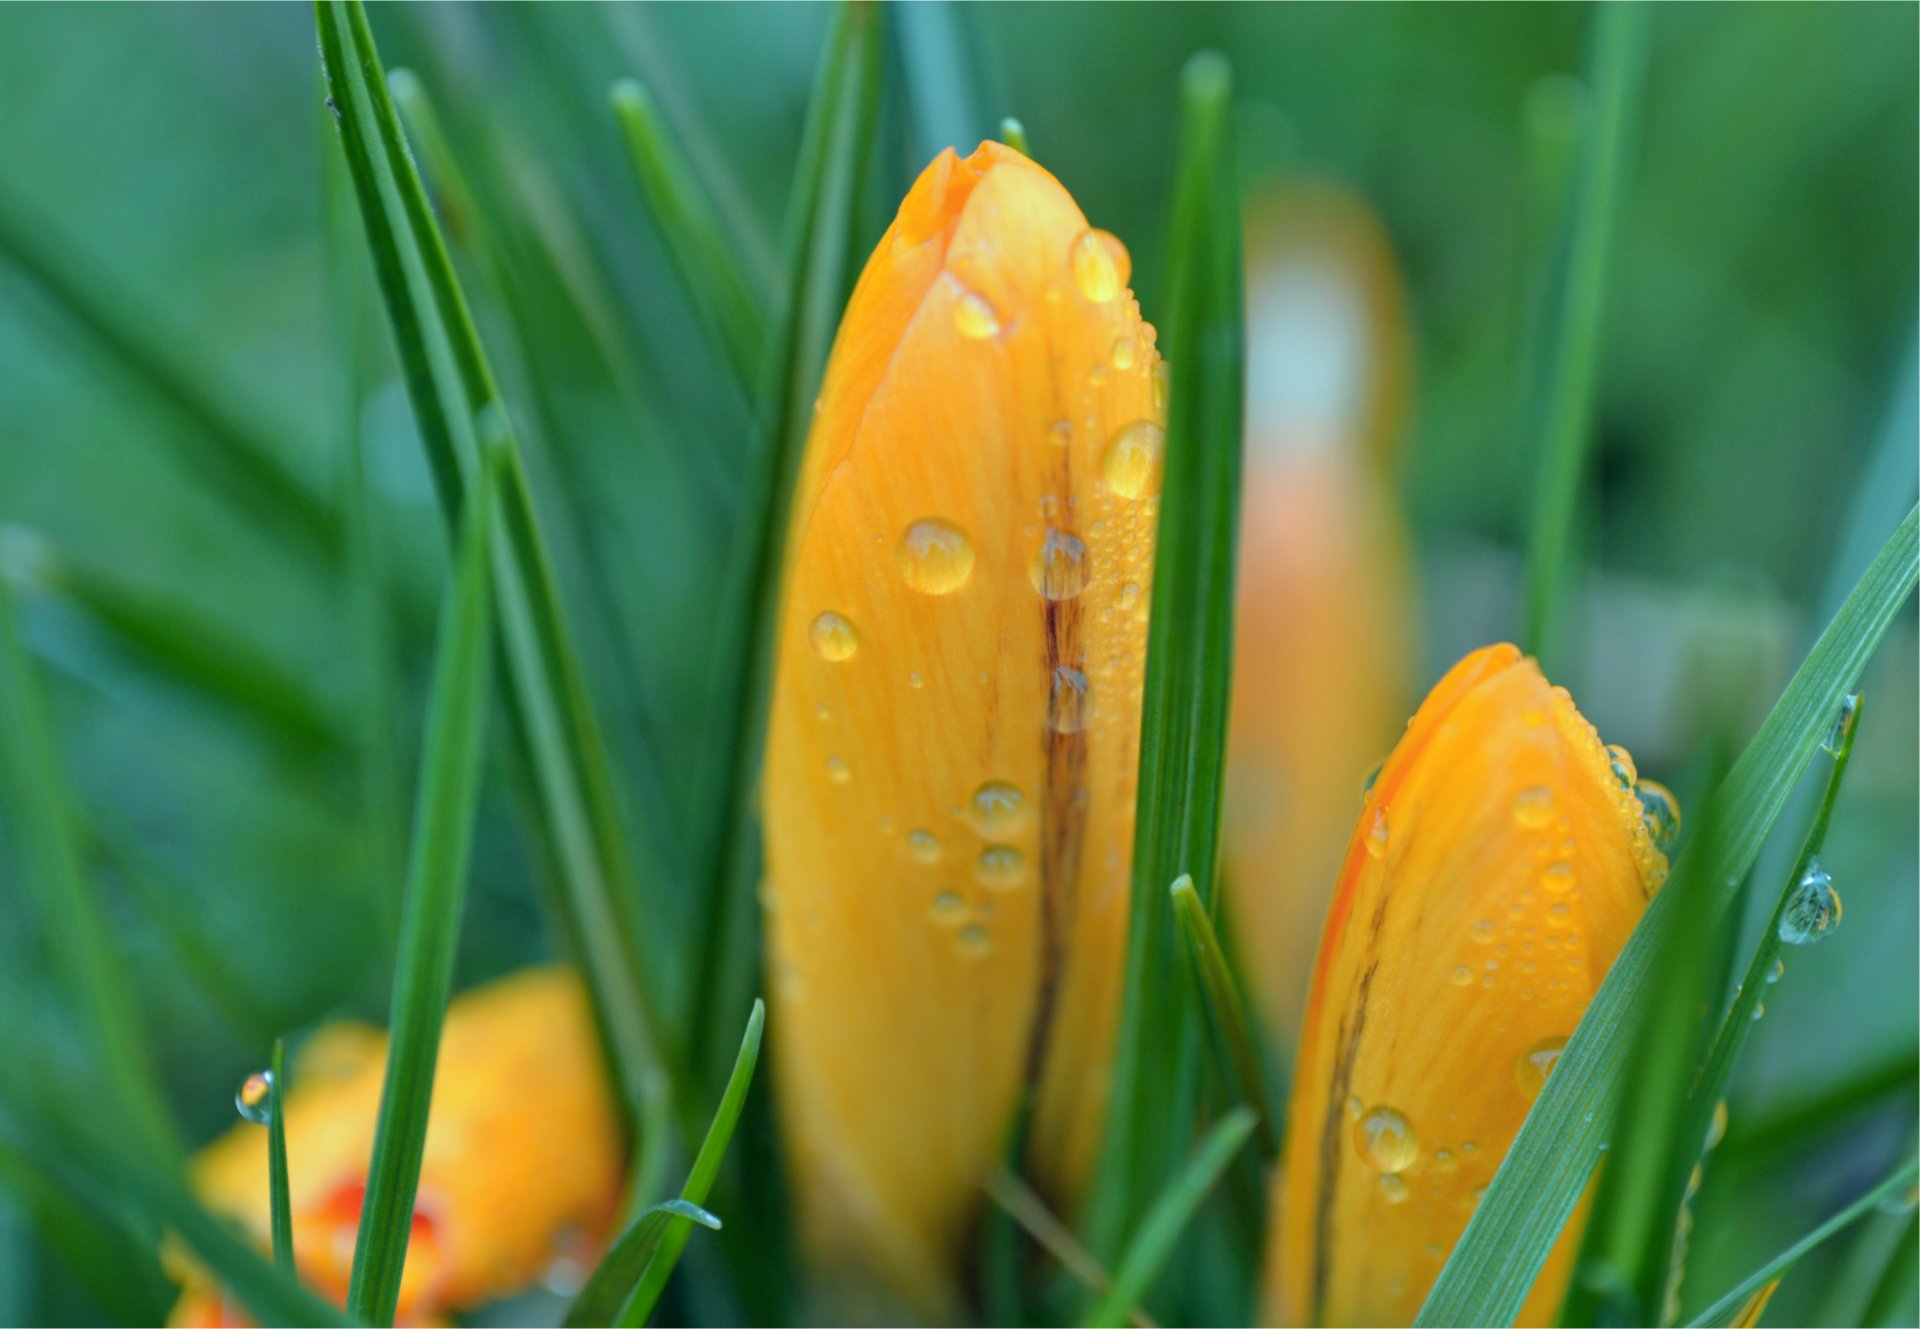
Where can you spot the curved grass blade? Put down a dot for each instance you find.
(1229, 1011)
(652, 1279)
(1558, 414)
(1154, 1242)
(450, 766)
(1896, 1183)
(70, 920)
(449, 382)
(1189, 668)
(1023, 1205)
(822, 242)
(1507, 1240)
(228, 451)
(724, 299)
(601, 1298)
(279, 1190)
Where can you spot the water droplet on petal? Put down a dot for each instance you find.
(1622, 763)
(1386, 1140)
(1060, 568)
(1377, 835)
(1135, 457)
(1125, 351)
(1660, 813)
(1355, 1108)
(254, 1099)
(1001, 867)
(1069, 700)
(1062, 433)
(1481, 930)
(973, 942)
(924, 845)
(1393, 1188)
(935, 557)
(1812, 909)
(998, 810)
(1557, 879)
(947, 908)
(1444, 1160)
(1101, 265)
(1461, 976)
(833, 637)
(838, 771)
(1162, 385)
(1533, 808)
(1371, 778)
(1534, 1064)
(974, 317)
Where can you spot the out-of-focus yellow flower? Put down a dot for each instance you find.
(952, 754)
(523, 1162)
(1323, 631)
(1499, 863)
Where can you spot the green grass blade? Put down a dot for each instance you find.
(1229, 1011)
(1896, 1183)
(936, 71)
(822, 241)
(1896, 1297)
(601, 1298)
(706, 1167)
(279, 1189)
(70, 919)
(1558, 414)
(1189, 667)
(1024, 1206)
(723, 297)
(1507, 1240)
(1014, 135)
(450, 767)
(1149, 1248)
(230, 452)
(449, 382)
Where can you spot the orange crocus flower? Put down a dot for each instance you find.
(1499, 863)
(523, 1162)
(1323, 629)
(955, 721)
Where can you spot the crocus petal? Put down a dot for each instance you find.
(523, 1151)
(1323, 628)
(955, 721)
(1498, 865)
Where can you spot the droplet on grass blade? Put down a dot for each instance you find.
(254, 1099)
(1812, 910)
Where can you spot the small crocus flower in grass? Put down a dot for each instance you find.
(523, 1162)
(1499, 863)
(955, 723)
(1323, 629)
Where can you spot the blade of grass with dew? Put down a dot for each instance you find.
(1189, 668)
(448, 381)
(1229, 1012)
(600, 1300)
(822, 241)
(63, 902)
(1625, 1260)
(279, 1190)
(1893, 1185)
(1147, 1251)
(724, 300)
(431, 909)
(230, 452)
(1506, 1241)
(706, 1167)
(943, 102)
(1557, 417)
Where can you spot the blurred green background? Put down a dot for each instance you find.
(1755, 441)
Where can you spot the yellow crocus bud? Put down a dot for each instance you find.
(523, 1162)
(954, 734)
(1324, 624)
(1499, 863)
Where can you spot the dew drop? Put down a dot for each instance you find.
(838, 771)
(1000, 867)
(1393, 1188)
(1557, 879)
(974, 317)
(1125, 351)
(1377, 835)
(1461, 976)
(254, 1098)
(947, 908)
(1386, 1140)
(1717, 1127)
(833, 637)
(1060, 568)
(1660, 813)
(1371, 778)
(1134, 460)
(1061, 433)
(1101, 265)
(1558, 914)
(1069, 700)
(973, 943)
(915, 681)
(1775, 974)
(1481, 930)
(935, 557)
(1355, 1108)
(923, 845)
(1534, 1064)
(1444, 1160)
(1812, 910)
(1622, 763)
(998, 810)
(1162, 385)
(1837, 736)
(1533, 808)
